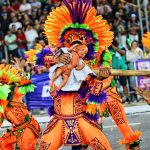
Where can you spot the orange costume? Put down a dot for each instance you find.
(25, 130)
(73, 121)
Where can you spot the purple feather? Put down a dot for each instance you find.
(26, 56)
(86, 8)
(78, 9)
(70, 10)
(83, 90)
(97, 99)
(40, 56)
(92, 117)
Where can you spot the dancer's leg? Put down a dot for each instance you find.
(7, 141)
(27, 140)
(52, 137)
(117, 112)
(93, 136)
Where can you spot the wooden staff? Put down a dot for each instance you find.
(115, 72)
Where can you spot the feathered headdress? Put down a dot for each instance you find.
(4, 91)
(76, 22)
(37, 55)
(146, 40)
(9, 75)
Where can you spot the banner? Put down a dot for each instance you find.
(40, 98)
(142, 65)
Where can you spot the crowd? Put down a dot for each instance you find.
(22, 22)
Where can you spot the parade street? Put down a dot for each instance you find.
(137, 120)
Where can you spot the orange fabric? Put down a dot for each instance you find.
(107, 81)
(148, 102)
(53, 139)
(117, 112)
(26, 141)
(93, 136)
(69, 105)
(16, 115)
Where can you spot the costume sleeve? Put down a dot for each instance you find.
(107, 82)
(96, 96)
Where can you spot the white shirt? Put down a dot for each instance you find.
(133, 56)
(25, 7)
(31, 35)
(17, 24)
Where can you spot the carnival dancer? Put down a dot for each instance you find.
(145, 92)
(76, 22)
(25, 131)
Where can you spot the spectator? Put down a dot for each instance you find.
(13, 29)
(26, 20)
(31, 36)
(10, 40)
(16, 5)
(120, 29)
(21, 40)
(36, 5)
(147, 54)
(119, 62)
(108, 15)
(49, 5)
(3, 10)
(16, 23)
(9, 7)
(101, 6)
(133, 26)
(25, 8)
(114, 6)
(34, 15)
(37, 25)
(4, 23)
(1, 45)
(132, 55)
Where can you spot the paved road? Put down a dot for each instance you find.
(139, 121)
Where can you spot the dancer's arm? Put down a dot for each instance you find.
(96, 84)
(144, 93)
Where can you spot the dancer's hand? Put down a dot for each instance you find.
(16, 62)
(144, 93)
(103, 73)
(63, 58)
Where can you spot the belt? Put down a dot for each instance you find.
(62, 117)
